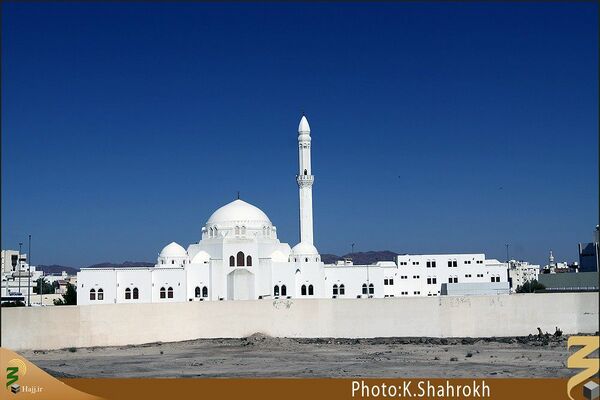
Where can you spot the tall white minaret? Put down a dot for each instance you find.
(305, 181)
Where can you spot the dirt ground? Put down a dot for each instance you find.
(261, 356)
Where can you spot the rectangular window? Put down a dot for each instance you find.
(391, 281)
(428, 264)
(433, 280)
(385, 281)
(449, 264)
(429, 281)
(433, 264)
(454, 263)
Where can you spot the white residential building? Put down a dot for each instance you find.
(520, 272)
(17, 276)
(239, 257)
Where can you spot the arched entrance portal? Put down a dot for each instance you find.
(240, 285)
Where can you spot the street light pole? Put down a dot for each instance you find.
(29, 275)
(19, 266)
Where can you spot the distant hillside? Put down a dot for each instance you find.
(368, 257)
(57, 269)
(122, 265)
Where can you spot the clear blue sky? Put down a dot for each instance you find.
(436, 127)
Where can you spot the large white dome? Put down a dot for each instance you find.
(239, 212)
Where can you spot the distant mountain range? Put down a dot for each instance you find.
(123, 264)
(367, 257)
(56, 269)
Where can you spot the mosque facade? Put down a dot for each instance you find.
(240, 257)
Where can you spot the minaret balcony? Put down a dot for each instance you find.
(305, 180)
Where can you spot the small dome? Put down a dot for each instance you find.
(238, 211)
(173, 250)
(201, 257)
(278, 256)
(304, 127)
(305, 249)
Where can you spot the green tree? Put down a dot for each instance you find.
(530, 287)
(47, 288)
(69, 298)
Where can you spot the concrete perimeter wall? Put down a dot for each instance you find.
(446, 316)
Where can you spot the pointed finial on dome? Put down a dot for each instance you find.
(303, 127)
(238, 194)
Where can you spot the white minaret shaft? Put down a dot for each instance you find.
(305, 181)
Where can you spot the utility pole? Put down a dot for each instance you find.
(19, 266)
(352, 251)
(29, 275)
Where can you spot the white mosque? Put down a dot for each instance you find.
(240, 257)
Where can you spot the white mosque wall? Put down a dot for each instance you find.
(133, 279)
(445, 316)
(409, 276)
(353, 277)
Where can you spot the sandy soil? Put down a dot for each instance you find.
(260, 356)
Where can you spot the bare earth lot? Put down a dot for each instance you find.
(260, 356)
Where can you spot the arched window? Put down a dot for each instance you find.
(306, 259)
(127, 294)
(204, 291)
(210, 232)
(232, 261)
(100, 294)
(215, 232)
(240, 259)
(342, 289)
(170, 292)
(371, 289)
(310, 290)
(283, 290)
(305, 172)
(243, 230)
(276, 291)
(364, 289)
(237, 230)
(136, 293)
(335, 290)
(163, 293)
(92, 294)
(197, 292)
(303, 290)
(248, 261)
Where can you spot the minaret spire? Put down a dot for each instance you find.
(305, 181)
